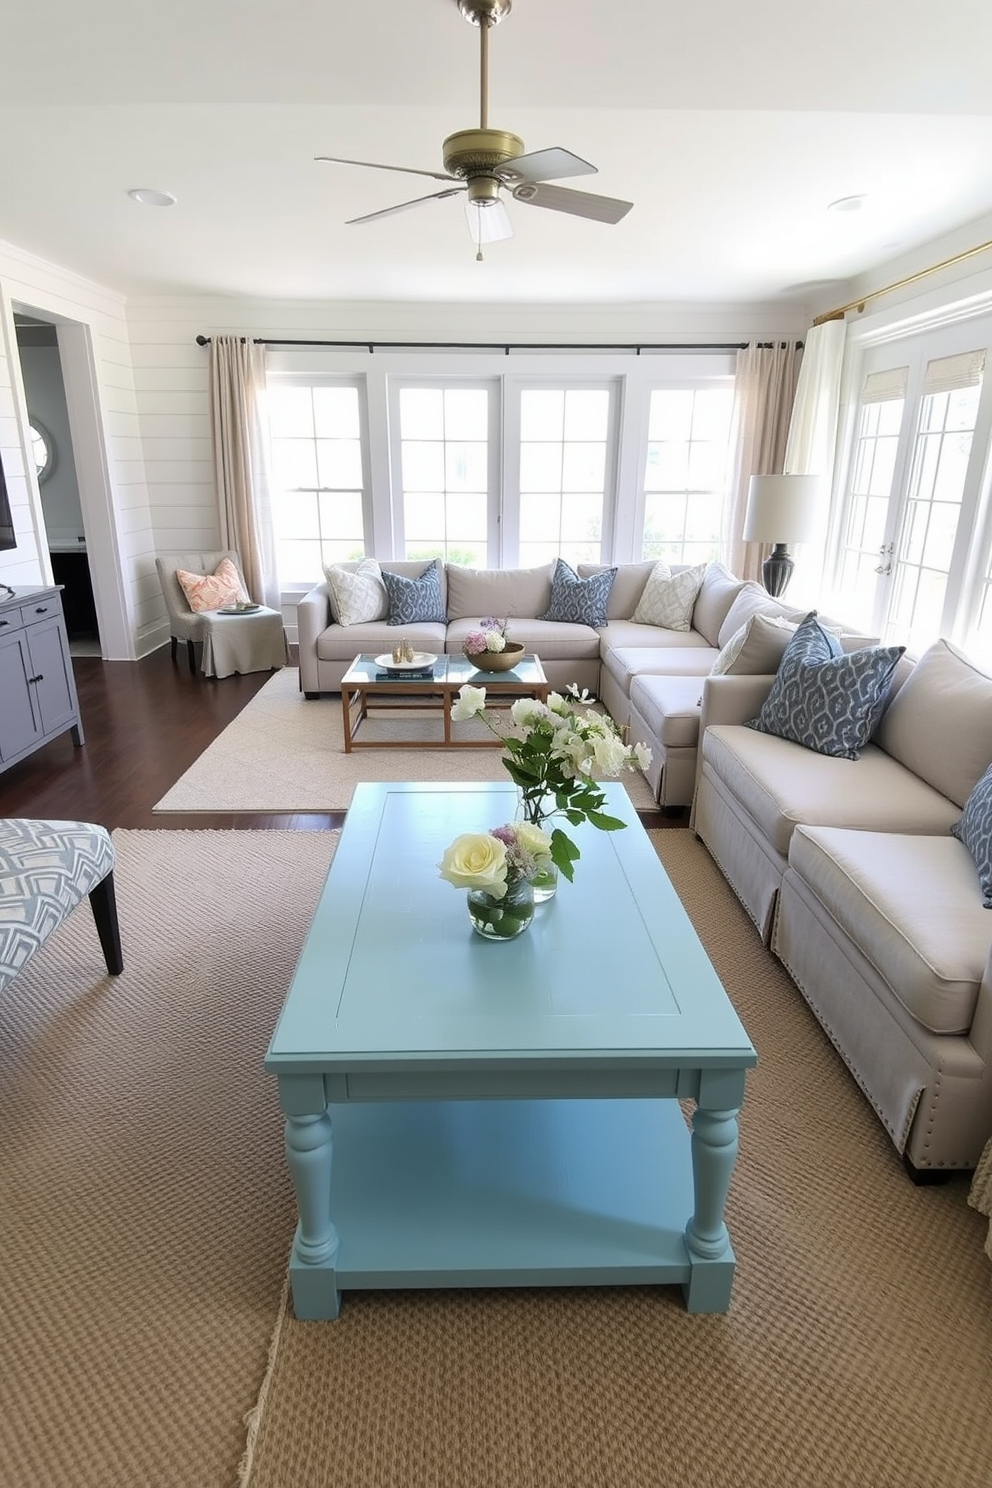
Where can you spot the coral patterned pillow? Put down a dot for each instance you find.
(210, 591)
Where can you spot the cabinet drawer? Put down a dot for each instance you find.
(42, 609)
(11, 620)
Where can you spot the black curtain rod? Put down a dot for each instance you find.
(637, 348)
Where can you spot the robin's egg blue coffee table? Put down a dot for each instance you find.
(462, 1112)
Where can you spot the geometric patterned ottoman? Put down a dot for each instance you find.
(46, 867)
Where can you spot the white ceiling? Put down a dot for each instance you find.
(731, 127)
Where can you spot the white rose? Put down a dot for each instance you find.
(470, 701)
(475, 861)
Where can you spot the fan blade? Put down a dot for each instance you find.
(488, 224)
(374, 165)
(576, 203)
(405, 206)
(544, 165)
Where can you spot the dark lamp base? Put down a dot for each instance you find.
(776, 571)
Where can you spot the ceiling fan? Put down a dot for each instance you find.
(478, 162)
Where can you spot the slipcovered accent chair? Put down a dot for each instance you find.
(253, 642)
(46, 867)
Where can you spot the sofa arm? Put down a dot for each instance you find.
(313, 616)
(733, 699)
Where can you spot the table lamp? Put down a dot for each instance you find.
(781, 509)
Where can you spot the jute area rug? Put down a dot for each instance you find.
(857, 1352)
(145, 1208)
(285, 754)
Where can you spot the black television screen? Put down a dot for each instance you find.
(7, 538)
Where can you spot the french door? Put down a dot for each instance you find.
(907, 555)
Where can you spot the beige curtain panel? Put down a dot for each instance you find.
(237, 388)
(764, 393)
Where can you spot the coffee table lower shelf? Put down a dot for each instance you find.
(506, 1193)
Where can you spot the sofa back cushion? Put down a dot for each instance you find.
(939, 724)
(503, 593)
(717, 593)
(628, 585)
(752, 599)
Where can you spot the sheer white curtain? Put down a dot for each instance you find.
(811, 446)
(238, 431)
(764, 391)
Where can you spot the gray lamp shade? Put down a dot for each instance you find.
(782, 508)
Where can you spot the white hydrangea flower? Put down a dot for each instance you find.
(494, 641)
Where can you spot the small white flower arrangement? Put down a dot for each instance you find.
(554, 756)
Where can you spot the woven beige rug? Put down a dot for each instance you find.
(145, 1209)
(857, 1352)
(285, 754)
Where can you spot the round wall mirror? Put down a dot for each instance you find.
(44, 450)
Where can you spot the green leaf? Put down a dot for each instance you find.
(564, 853)
(606, 823)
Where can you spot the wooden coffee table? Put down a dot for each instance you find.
(504, 1114)
(364, 688)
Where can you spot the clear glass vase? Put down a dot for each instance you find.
(537, 810)
(502, 919)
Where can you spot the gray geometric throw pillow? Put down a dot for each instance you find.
(579, 601)
(975, 831)
(824, 699)
(413, 600)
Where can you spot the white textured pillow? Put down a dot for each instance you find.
(668, 598)
(357, 597)
(757, 648)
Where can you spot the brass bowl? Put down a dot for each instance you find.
(497, 661)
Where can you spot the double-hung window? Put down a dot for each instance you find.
(444, 480)
(685, 473)
(319, 494)
(566, 455)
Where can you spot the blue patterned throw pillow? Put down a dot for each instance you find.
(975, 831)
(413, 600)
(825, 699)
(579, 601)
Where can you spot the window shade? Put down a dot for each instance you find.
(885, 387)
(947, 374)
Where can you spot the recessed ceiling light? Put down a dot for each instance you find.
(149, 197)
(847, 204)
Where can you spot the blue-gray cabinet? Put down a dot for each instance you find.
(37, 687)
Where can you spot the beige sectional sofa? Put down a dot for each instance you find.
(648, 677)
(851, 874)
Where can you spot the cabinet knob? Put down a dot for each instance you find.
(40, 678)
(4, 622)
(41, 609)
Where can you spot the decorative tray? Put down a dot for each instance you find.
(238, 609)
(422, 661)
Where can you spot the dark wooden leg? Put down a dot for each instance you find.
(191, 653)
(103, 902)
(925, 1177)
(172, 641)
(311, 695)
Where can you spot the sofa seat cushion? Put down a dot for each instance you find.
(670, 707)
(552, 640)
(620, 634)
(781, 785)
(626, 663)
(375, 637)
(912, 907)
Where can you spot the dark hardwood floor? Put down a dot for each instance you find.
(145, 722)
